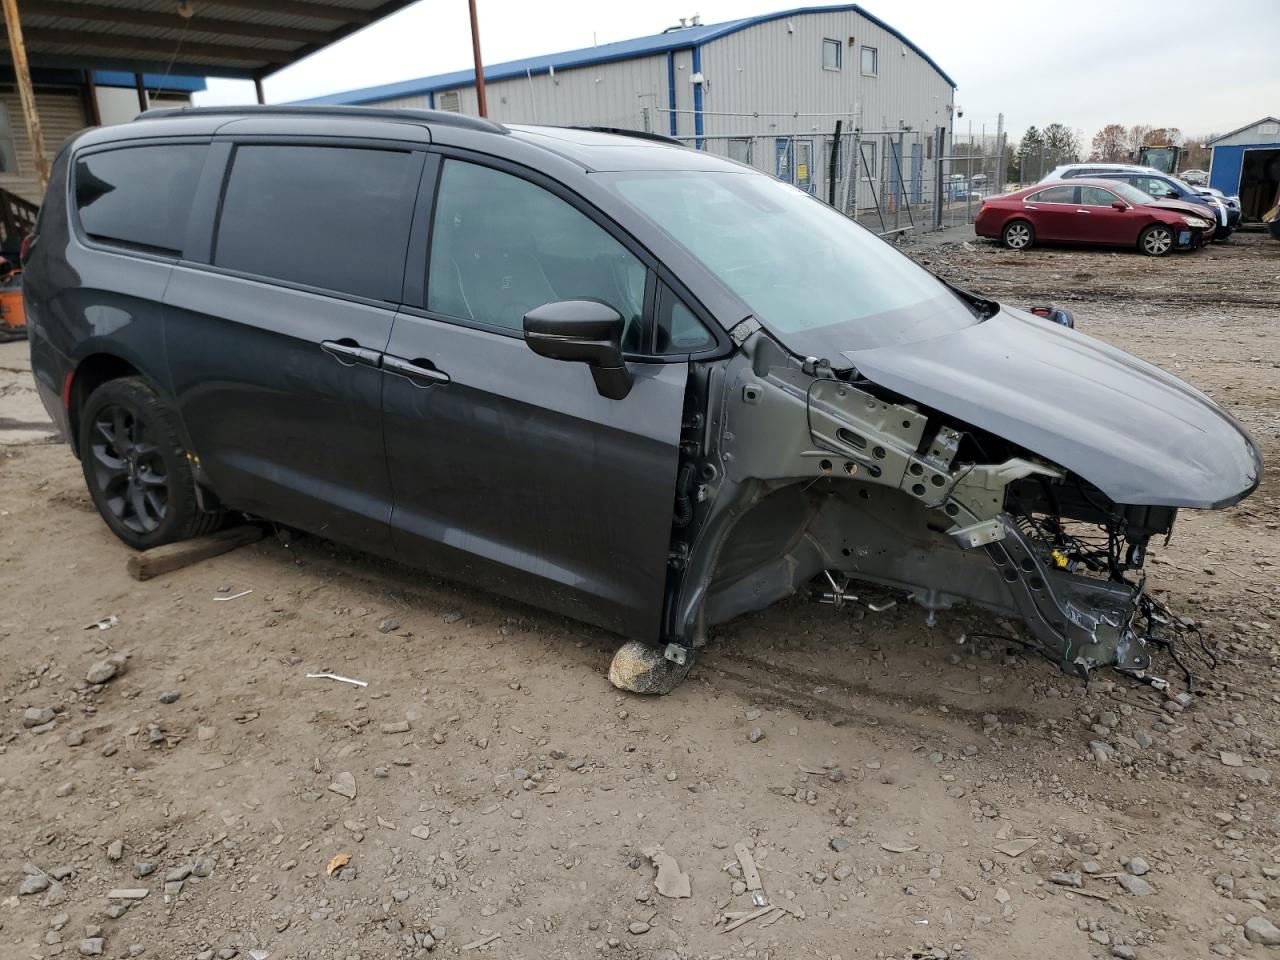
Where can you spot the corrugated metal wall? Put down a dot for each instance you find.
(776, 67)
(1261, 133)
(773, 67)
(61, 115)
(610, 95)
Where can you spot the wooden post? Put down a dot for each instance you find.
(27, 93)
(91, 111)
(257, 88)
(141, 86)
(475, 53)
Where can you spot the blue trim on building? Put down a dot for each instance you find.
(671, 90)
(697, 98)
(686, 38)
(153, 81)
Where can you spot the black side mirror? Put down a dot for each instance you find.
(1172, 194)
(585, 331)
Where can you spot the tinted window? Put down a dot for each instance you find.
(678, 330)
(138, 197)
(331, 217)
(501, 246)
(1054, 195)
(1096, 197)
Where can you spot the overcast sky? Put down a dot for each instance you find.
(1184, 63)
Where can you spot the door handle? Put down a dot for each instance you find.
(1084, 211)
(348, 353)
(1028, 206)
(421, 373)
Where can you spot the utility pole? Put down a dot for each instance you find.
(27, 93)
(475, 53)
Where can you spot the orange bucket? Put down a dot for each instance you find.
(13, 317)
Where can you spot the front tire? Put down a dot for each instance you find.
(1157, 240)
(1018, 234)
(136, 466)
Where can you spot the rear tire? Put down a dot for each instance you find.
(136, 467)
(1157, 240)
(1018, 235)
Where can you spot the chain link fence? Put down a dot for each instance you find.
(891, 181)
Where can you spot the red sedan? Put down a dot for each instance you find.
(1103, 212)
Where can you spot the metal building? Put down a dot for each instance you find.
(763, 89)
(1246, 162)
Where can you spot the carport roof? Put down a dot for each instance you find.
(218, 38)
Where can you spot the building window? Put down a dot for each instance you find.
(448, 101)
(8, 152)
(740, 149)
(870, 61)
(831, 54)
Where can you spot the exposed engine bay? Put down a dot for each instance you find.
(799, 471)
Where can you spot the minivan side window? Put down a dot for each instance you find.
(501, 246)
(138, 197)
(330, 217)
(677, 330)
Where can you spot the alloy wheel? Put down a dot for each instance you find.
(1158, 241)
(129, 470)
(1017, 236)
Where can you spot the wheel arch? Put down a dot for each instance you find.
(101, 364)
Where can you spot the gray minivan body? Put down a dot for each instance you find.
(360, 320)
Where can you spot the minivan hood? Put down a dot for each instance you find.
(1138, 434)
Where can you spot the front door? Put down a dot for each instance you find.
(1100, 222)
(274, 343)
(783, 159)
(806, 176)
(509, 469)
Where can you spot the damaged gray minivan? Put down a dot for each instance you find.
(607, 375)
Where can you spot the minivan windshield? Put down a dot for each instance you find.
(814, 278)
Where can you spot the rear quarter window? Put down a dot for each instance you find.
(138, 197)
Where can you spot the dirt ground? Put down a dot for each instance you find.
(496, 797)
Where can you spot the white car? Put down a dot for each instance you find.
(1068, 170)
(1195, 177)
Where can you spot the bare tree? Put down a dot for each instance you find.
(1136, 138)
(1109, 144)
(1162, 137)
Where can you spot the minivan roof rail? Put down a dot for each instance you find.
(638, 134)
(403, 115)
